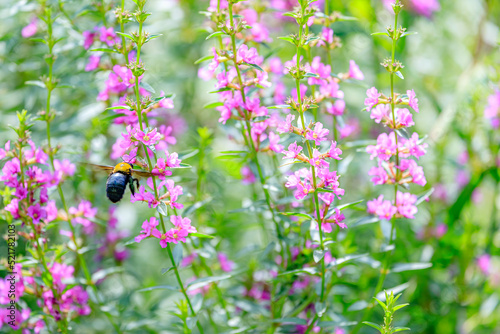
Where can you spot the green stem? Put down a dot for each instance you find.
(140, 118)
(309, 149)
(250, 141)
(50, 87)
(386, 261)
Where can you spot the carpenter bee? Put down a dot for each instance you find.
(121, 175)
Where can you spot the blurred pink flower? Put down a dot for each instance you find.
(30, 29)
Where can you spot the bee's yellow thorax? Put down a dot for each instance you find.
(123, 167)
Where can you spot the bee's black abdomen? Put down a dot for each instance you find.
(115, 186)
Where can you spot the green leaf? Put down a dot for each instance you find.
(280, 106)
(348, 205)
(201, 235)
(346, 18)
(162, 209)
(424, 196)
(103, 273)
(371, 324)
(147, 87)
(177, 254)
(307, 270)
(257, 67)
(182, 165)
(400, 267)
(153, 37)
(399, 307)
(400, 329)
(215, 34)
(320, 308)
(380, 34)
(118, 107)
(407, 33)
(298, 321)
(310, 39)
(213, 105)
(311, 75)
(288, 39)
(166, 270)
(35, 83)
(225, 89)
(260, 118)
(201, 282)
(202, 59)
(105, 50)
(132, 38)
(168, 287)
(297, 214)
(345, 259)
(318, 255)
(192, 208)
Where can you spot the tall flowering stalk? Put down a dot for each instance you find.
(316, 180)
(393, 150)
(72, 215)
(236, 88)
(141, 134)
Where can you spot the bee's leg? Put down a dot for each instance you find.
(136, 182)
(131, 185)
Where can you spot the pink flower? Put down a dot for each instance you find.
(334, 152)
(148, 139)
(404, 118)
(225, 264)
(108, 36)
(492, 110)
(385, 148)
(248, 176)
(318, 134)
(411, 146)
(326, 37)
(293, 151)
(88, 39)
(245, 55)
(318, 161)
(51, 210)
(182, 223)
(484, 263)
(336, 108)
(286, 126)
(381, 208)
(274, 143)
(174, 192)
(425, 7)
(381, 112)
(372, 98)
(147, 229)
(93, 63)
(405, 204)
(13, 208)
(440, 230)
(411, 169)
(30, 29)
(36, 212)
(412, 100)
(65, 167)
(379, 174)
(355, 72)
(5, 150)
(336, 219)
(260, 33)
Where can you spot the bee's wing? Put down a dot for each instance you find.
(142, 173)
(98, 167)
